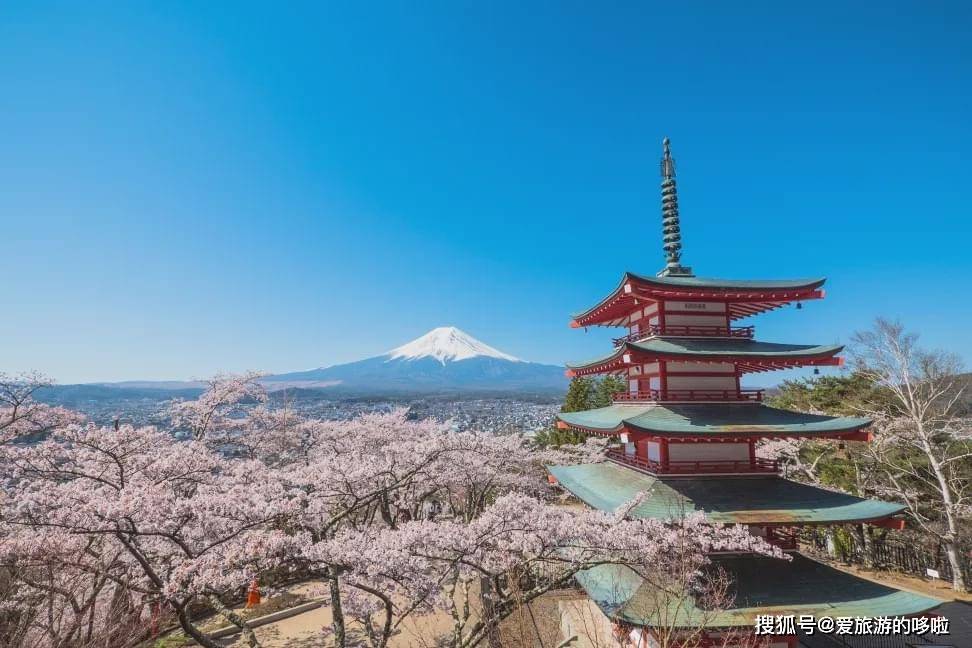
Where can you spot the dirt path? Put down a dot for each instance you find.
(927, 586)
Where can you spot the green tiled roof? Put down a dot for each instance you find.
(728, 284)
(713, 284)
(762, 586)
(709, 347)
(711, 419)
(740, 500)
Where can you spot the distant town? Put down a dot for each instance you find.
(505, 413)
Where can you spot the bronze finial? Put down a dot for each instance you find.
(671, 226)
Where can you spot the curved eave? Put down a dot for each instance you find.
(731, 287)
(762, 585)
(610, 362)
(833, 428)
(607, 309)
(771, 501)
(715, 421)
(749, 297)
(748, 361)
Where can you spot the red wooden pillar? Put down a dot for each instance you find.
(752, 453)
(663, 378)
(663, 453)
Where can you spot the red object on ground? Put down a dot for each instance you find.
(253, 595)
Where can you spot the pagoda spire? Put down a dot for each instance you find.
(671, 228)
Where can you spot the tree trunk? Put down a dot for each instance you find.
(955, 562)
(186, 623)
(487, 597)
(829, 542)
(337, 622)
(867, 542)
(234, 618)
(949, 508)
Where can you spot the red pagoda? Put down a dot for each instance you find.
(688, 431)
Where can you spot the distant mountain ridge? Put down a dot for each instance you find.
(444, 359)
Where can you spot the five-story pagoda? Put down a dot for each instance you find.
(688, 434)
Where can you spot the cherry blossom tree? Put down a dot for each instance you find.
(518, 549)
(67, 590)
(221, 410)
(21, 415)
(107, 526)
(185, 522)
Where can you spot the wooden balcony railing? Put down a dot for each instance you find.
(783, 539)
(757, 466)
(687, 331)
(691, 395)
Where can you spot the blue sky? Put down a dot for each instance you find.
(193, 187)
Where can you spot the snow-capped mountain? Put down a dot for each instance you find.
(447, 343)
(444, 359)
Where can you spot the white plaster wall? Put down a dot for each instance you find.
(708, 452)
(677, 319)
(702, 382)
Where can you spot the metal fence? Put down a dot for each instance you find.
(885, 554)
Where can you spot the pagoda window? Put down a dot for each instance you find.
(650, 450)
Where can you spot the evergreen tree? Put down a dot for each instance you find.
(606, 388)
(554, 437)
(841, 395)
(580, 395)
(583, 394)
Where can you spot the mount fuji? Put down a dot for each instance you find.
(444, 359)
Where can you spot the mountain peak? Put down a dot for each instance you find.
(447, 343)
